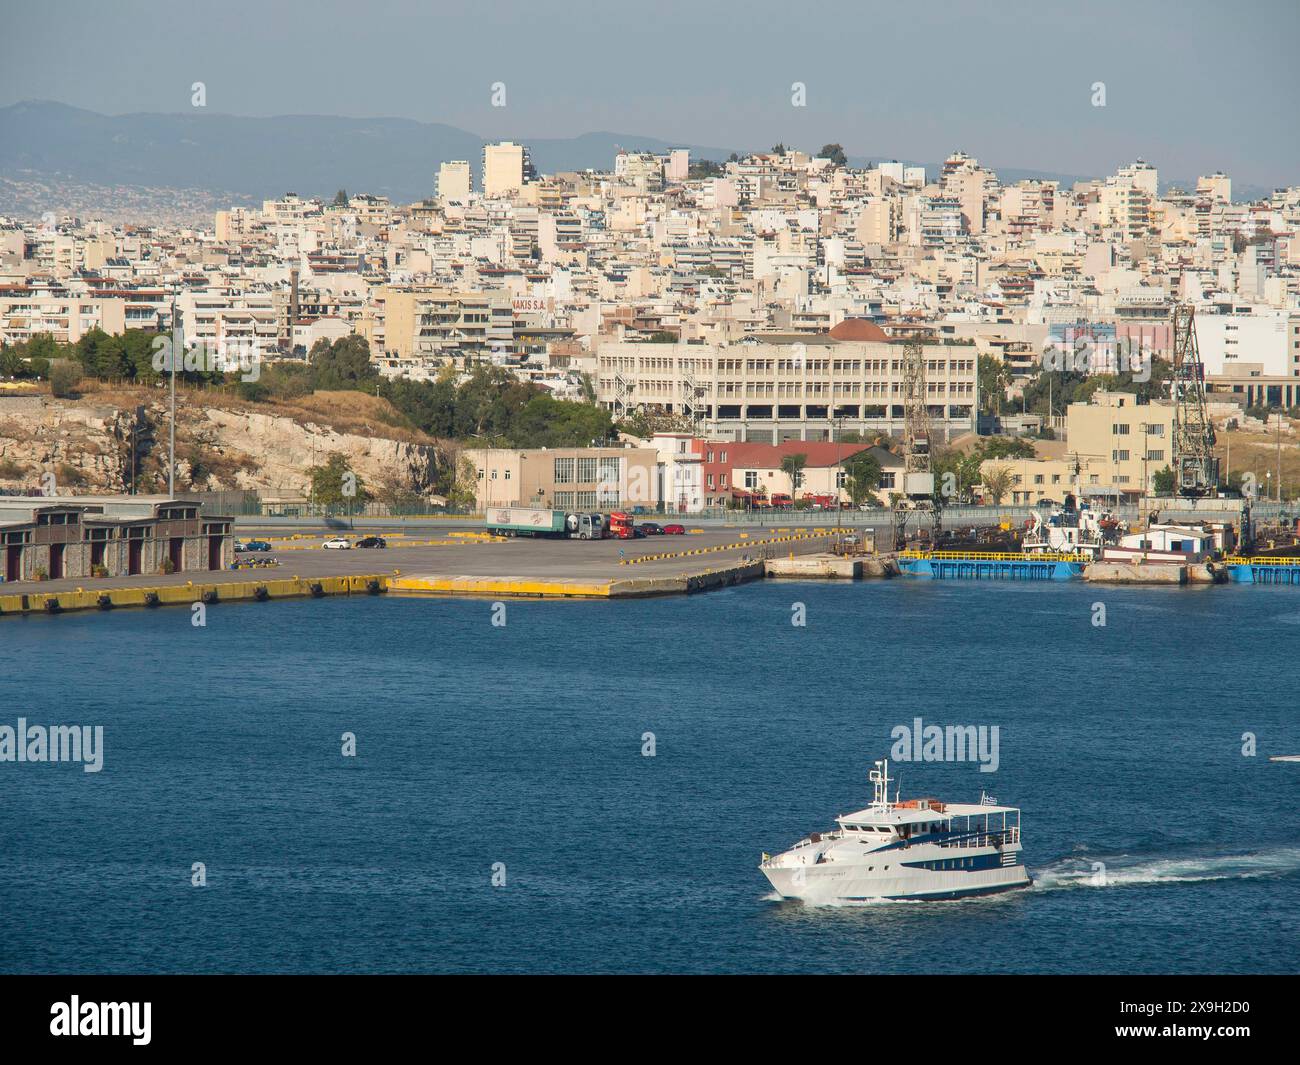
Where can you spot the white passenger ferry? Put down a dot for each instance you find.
(918, 849)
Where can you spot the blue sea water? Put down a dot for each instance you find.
(519, 749)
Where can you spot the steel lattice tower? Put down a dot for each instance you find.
(918, 476)
(1196, 470)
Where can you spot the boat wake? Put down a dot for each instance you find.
(1102, 871)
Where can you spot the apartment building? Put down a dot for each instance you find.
(644, 171)
(220, 318)
(454, 182)
(430, 326)
(506, 169)
(65, 314)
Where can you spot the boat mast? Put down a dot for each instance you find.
(880, 778)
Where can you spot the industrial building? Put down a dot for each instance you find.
(53, 537)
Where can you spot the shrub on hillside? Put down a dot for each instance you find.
(65, 375)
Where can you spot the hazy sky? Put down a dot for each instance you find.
(1191, 86)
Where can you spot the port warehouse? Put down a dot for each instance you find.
(113, 536)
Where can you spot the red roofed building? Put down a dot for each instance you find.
(756, 475)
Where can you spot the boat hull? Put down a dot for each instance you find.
(832, 882)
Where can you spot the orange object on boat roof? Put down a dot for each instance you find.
(915, 804)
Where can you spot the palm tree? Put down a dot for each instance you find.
(998, 482)
(793, 466)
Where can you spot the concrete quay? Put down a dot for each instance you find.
(821, 566)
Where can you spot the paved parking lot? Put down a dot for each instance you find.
(541, 559)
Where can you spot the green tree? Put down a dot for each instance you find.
(861, 476)
(835, 153)
(994, 381)
(335, 485)
(793, 466)
(42, 346)
(341, 198)
(703, 168)
(1163, 482)
(342, 365)
(1006, 447)
(462, 491)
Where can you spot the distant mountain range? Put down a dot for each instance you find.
(313, 155)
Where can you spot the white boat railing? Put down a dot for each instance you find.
(982, 838)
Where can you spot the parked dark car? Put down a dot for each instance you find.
(651, 528)
(674, 530)
(253, 545)
(371, 541)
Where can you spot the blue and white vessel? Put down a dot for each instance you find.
(917, 849)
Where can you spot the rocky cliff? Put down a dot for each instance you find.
(102, 443)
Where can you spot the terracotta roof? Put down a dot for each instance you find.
(858, 329)
(768, 456)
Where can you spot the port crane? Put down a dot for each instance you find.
(1196, 470)
(917, 497)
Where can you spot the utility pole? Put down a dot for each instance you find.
(1279, 459)
(178, 342)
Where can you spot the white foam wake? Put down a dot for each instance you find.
(1128, 871)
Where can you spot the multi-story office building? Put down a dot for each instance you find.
(775, 388)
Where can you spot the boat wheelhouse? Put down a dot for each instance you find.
(1081, 533)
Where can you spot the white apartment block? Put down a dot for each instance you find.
(454, 182)
(65, 315)
(506, 167)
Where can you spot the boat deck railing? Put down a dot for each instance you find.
(1258, 560)
(992, 838)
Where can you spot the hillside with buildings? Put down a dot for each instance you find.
(771, 299)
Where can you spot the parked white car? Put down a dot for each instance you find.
(337, 543)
